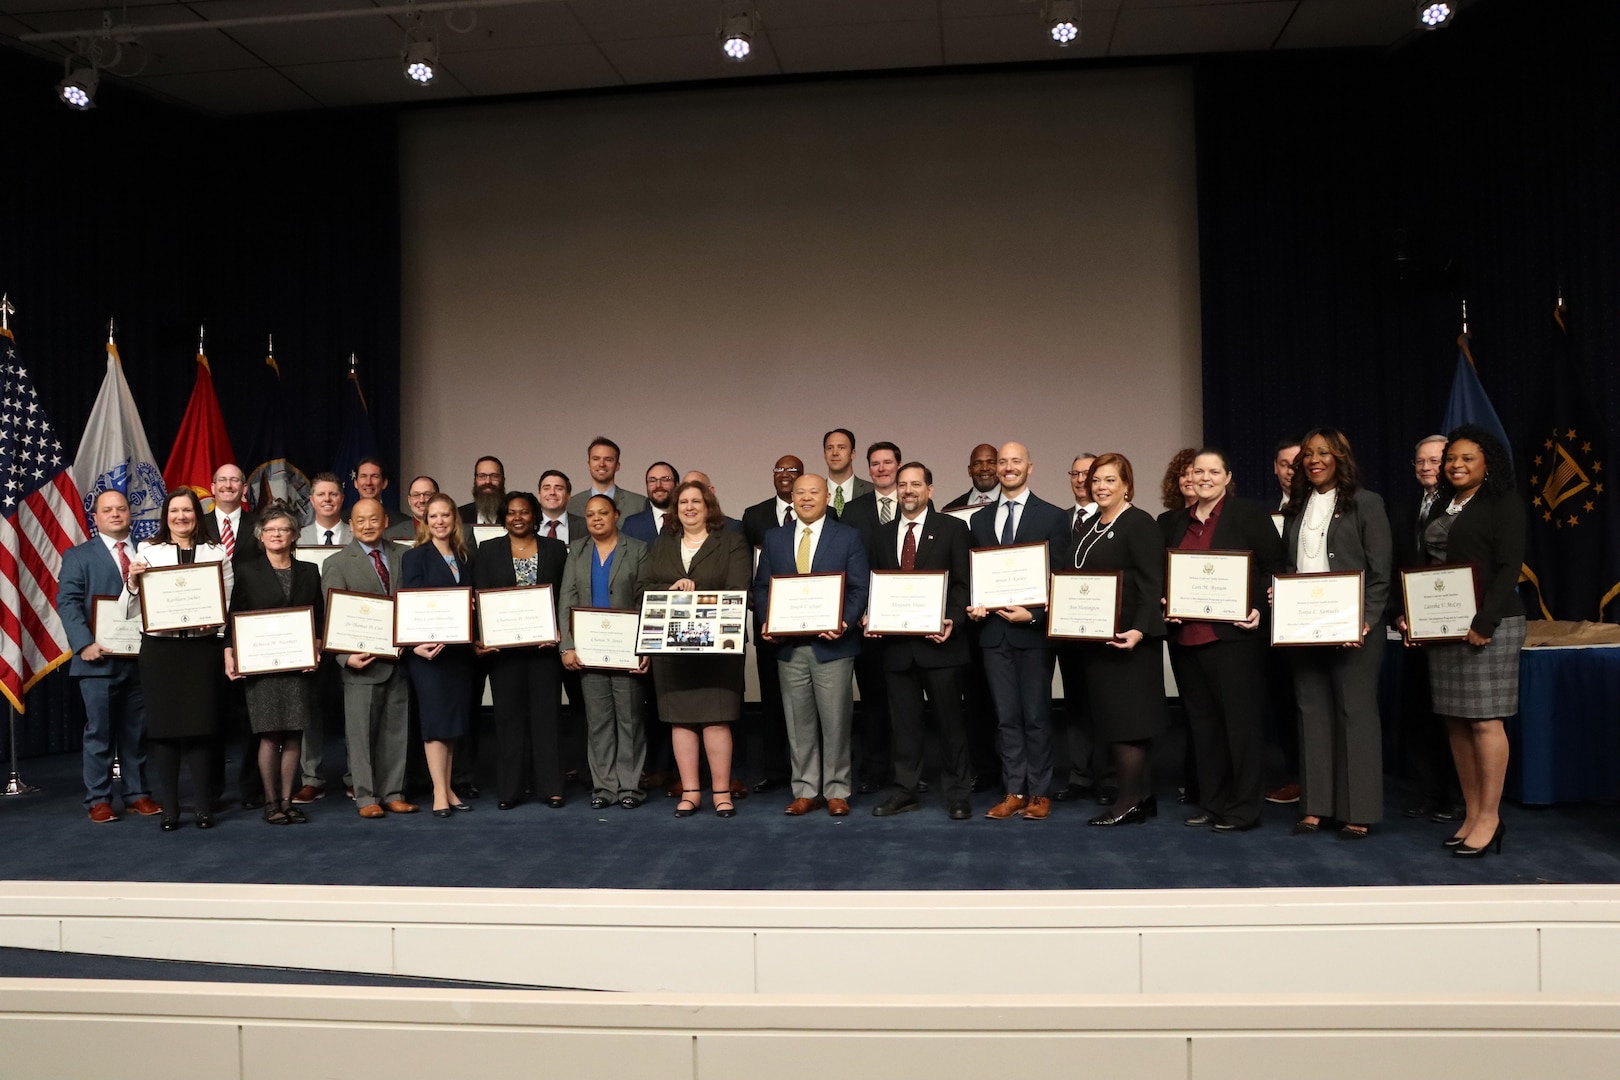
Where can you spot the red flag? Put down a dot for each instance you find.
(202, 445)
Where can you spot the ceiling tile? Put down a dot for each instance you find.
(1006, 39)
(317, 41)
(967, 9)
(512, 28)
(1163, 31)
(251, 91)
(368, 82)
(628, 20)
(1340, 23)
(859, 48)
(534, 70)
(686, 58)
(787, 13)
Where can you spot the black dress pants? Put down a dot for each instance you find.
(527, 687)
(1223, 690)
(906, 712)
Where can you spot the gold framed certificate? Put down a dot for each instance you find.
(692, 623)
(1207, 586)
(358, 622)
(805, 604)
(1016, 575)
(274, 642)
(116, 634)
(605, 637)
(433, 616)
(1085, 605)
(1316, 609)
(316, 555)
(907, 602)
(486, 532)
(516, 616)
(186, 597)
(1440, 601)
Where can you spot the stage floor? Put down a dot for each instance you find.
(48, 837)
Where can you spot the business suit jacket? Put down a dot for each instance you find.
(1243, 526)
(1137, 548)
(492, 568)
(401, 528)
(962, 499)
(576, 527)
(1040, 521)
(468, 512)
(353, 571)
(1406, 526)
(838, 551)
(760, 519)
(312, 535)
(942, 544)
(576, 580)
(1489, 531)
(247, 545)
(257, 589)
(857, 486)
(1357, 539)
(88, 570)
(628, 502)
(638, 526)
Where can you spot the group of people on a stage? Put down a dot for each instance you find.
(986, 676)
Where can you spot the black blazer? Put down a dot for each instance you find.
(424, 568)
(723, 562)
(1405, 531)
(1357, 539)
(492, 564)
(1040, 521)
(1134, 544)
(760, 519)
(247, 546)
(1244, 526)
(1489, 532)
(942, 545)
(257, 589)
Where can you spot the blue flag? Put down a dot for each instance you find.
(1469, 403)
(271, 478)
(356, 440)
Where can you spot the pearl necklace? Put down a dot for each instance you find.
(1316, 528)
(1094, 534)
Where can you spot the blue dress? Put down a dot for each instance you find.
(445, 686)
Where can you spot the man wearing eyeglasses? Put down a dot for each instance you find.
(489, 494)
(647, 523)
(417, 495)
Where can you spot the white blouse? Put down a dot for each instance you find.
(1311, 556)
(161, 555)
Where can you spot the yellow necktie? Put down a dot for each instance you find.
(803, 559)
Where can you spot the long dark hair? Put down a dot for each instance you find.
(1498, 462)
(201, 533)
(1347, 475)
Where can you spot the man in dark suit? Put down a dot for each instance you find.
(556, 522)
(646, 523)
(602, 462)
(981, 713)
(1279, 671)
(817, 671)
(115, 713)
(1087, 760)
(232, 522)
(838, 450)
(232, 525)
(982, 473)
(417, 495)
(1017, 659)
(370, 479)
(918, 539)
(489, 493)
(758, 520)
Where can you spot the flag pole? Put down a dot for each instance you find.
(6, 311)
(15, 784)
(112, 327)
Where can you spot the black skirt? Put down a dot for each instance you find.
(444, 691)
(181, 680)
(1126, 691)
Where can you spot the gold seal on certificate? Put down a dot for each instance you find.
(1207, 586)
(805, 604)
(1085, 605)
(1441, 602)
(187, 597)
(433, 616)
(1011, 576)
(117, 635)
(316, 555)
(522, 615)
(907, 602)
(359, 622)
(271, 642)
(606, 637)
(1316, 609)
(693, 623)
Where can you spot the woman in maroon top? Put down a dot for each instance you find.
(1220, 668)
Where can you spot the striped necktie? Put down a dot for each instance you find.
(227, 536)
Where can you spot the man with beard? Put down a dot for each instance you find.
(982, 472)
(489, 493)
(602, 459)
(417, 495)
(758, 520)
(646, 524)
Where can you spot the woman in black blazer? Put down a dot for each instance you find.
(442, 674)
(525, 682)
(1332, 524)
(1478, 519)
(279, 706)
(1221, 667)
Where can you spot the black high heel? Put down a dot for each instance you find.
(1132, 815)
(727, 808)
(1463, 851)
(681, 809)
(1453, 841)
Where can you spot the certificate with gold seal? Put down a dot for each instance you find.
(277, 641)
(1207, 586)
(117, 635)
(606, 637)
(1440, 602)
(516, 616)
(907, 602)
(1085, 605)
(186, 597)
(358, 622)
(433, 616)
(1316, 609)
(1012, 576)
(805, 604)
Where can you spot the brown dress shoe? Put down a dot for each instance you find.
(308, 794)
(372, 811)
(838, 807)
(801, 807)
(739, 789)
(145, 807)
(1007, 807)
(1286, 795)
(1039, 808)
(400, 806)
(101, 813)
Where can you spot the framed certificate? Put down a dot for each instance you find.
(965, 513)
(521, 615)
(1440, 602)
(1279, 522)
(359, 622)
(1013, 576)
(276, 641)
(1085, 605)
(183, 597)
(433, 616)
(692, 623)
(480, 533)
(117, 635)
(316, 556)
(907, 602)
(1316, 609)
(805, 604)
(1207, 586)
(605, 637)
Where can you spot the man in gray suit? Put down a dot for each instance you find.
(376, 697)
(328, 529)
(417, 495)
(843, 486)
(602, 459)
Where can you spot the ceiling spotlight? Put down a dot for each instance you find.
(1432, 15)
(738, 25)
(421, 59)
(78, 88)
(1062, 21)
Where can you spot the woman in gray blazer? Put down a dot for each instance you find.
(1333, 525)
(601, 572)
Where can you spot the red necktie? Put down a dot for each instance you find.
(908, 550)
(123, 561)
(551, 529)
(382, 571)
(227, 536)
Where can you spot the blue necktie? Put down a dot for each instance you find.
(1007, 529)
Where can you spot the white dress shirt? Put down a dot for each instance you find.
(894, 504)
(785, 507)
(917, 533)
(562, 525)
(815, 537)
(235, 518)
(1083, 513)
(847, 487)
(1014, 506)
(314, 535)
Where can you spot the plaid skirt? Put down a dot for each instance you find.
(1475, 683)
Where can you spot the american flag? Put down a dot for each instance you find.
(40, 518)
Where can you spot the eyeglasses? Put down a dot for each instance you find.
(487, 476)
(1074, 475)
(792, 472)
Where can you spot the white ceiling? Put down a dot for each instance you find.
(577, 44)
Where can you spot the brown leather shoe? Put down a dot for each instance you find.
(801, 807)
(1039, 808)
(739, 789)
(1007, 807)
(308, 794)
(838, 807)
(101, 813)
(372, 811)
(400, 806)
(1286, 795)
(145, 807)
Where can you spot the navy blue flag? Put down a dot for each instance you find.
(1468, 403)
(271, 478)
(356, 440)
